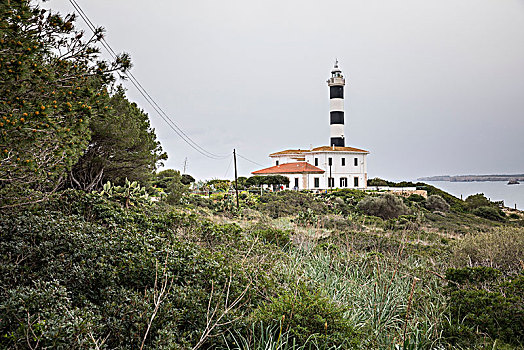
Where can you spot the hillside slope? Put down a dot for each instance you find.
(290, 268)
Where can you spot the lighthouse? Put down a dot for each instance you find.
(336, 107)
(326, 167)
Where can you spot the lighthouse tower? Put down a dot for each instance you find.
(326, 167)
(336, 107)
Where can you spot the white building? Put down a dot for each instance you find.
(326, 167)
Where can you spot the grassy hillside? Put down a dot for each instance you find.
(286, 271)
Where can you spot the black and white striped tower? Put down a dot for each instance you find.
(336, 107)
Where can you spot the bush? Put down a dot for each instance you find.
(83, 265)
(496, 311)
(171, 181)
(199, 201)
(307, 314)
(455, 203)
(307, 217)
(45, 310)
(285, 203)
(477, 200)
(387, 206)
(416, 198)
(278, 237)
(502, 248)
(473, 275)
(377, 182)
(436, 203)
(348, 195)
(490, 213)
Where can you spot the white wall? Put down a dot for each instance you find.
(338, 171)
(302, 181)
(336, 130)
(282, 159)
(336, 104)
(348, 171)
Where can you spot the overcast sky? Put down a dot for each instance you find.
(432, 87)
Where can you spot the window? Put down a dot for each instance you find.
(330, 161)
(277, 162)
(317, 182)
(355, 161)
(355, 181)
(316, 161)
(296, 183)
(331, 182)
(343, 182)
(343, 161)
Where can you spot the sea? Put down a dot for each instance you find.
(512, 195)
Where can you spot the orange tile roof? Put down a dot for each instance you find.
(319, 149)
(289, 151)
(338, 149)
(290, 168)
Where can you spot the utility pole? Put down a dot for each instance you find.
(236, 181)
(185, 165)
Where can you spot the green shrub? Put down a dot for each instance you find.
(416, 198)
(199, 201)
(349, 196)
(477, 200)
(473, 275)
(272, 235)
(286, 203)
(490, 213)
(407, 222)
(307, 217)
(90, 269)
(307, 314)
(387, 206)
(436, 203)
(377, 182)
(43, 314)
(455, 203)
(477, 308)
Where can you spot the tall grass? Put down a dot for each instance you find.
(378, 293)
(271, 337)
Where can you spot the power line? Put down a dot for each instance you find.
(229, 166)
(147, 96)
(249, 160)
(151, 101)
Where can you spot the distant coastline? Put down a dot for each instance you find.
(472, 178)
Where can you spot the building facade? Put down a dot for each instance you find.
(325, 167)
